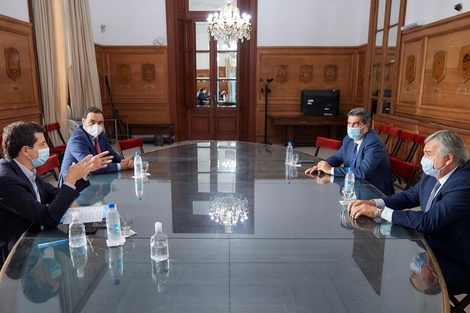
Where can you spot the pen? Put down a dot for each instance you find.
(52, 243)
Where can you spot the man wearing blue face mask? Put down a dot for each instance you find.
(25, 198)
(91, 139)
(443, 193)
(364, 151)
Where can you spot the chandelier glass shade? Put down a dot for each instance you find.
(228, 210)
(228, 26)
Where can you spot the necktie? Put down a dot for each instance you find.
(353, 155)
(97, 145)
(432, 195)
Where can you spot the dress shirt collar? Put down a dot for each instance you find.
(30, 174)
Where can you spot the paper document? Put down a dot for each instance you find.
(88, 214)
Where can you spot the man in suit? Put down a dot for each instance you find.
(444, 196)
(25, 198)
(90, 139)
(362, 149)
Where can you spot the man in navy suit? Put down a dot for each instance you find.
(444, 196)
(25, 198)
(362, 149)
(90, 139)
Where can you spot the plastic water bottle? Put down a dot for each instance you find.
(116, 264)
(349, 184)
(288, 173)
(159, 244)
(289, 153)
(137, 165)
(113, 225)
(77, 236)
(139, 188)
(79, 258)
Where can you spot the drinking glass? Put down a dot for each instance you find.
(126, 221)
(145, 168)
(348, 195)
(295, 159)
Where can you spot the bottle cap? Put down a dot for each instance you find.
(350, 168)
(158, 227)
(111, 205)
(289, 143)
(75, 216)
(137, 153)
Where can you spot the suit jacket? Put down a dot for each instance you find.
(446, 226)
(372, 161)
(80, 145)
(19, 207)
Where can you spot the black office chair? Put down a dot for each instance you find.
(457, 306)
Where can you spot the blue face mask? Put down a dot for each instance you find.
(428, 166)
(355, 133)
(418, 261)
(43, 155)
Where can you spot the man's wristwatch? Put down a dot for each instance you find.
(378, 212)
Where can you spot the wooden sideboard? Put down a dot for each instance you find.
(291, 120)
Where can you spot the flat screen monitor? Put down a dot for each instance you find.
(320, 102)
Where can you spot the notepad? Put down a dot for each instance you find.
(88, 214)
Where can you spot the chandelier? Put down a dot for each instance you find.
(228, 26)
(227, 210)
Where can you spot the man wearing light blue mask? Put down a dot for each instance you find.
(364, 151)
(443, 195)
(25, 198)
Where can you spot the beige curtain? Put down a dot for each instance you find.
(66, 58)
(49, 27)
(82, 69)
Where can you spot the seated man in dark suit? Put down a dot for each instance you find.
(25, 198)
(90, 139)
(364, 150)
(444, 196)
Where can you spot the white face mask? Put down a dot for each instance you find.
(94, 130)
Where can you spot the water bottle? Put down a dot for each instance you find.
(288, 173)
(116, 264)
(77, 236)
(159, 244)
(113, 225)
(137, 165)
(139, 188)
(349, 184)
(79, 258)
(289, 152)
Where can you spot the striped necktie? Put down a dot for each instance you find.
(432, 195)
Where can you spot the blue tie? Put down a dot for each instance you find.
(353, 155)
(432, 195)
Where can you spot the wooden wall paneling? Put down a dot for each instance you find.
(145, 99)
(360, 75)
(445, 95)
(284, 65)
(410, 77)
(19, 82)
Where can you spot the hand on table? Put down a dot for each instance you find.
(362, 208)
(127, 164)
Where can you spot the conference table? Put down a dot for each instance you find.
(247, 233)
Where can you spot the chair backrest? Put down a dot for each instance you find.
(52, 165)
(54, 128)
(393, 140)
(405, 145)
(408, 171)
(323, 142)
(131, 143)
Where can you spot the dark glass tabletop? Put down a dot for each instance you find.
(288, 246)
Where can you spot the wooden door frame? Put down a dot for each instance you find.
(179, 106)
